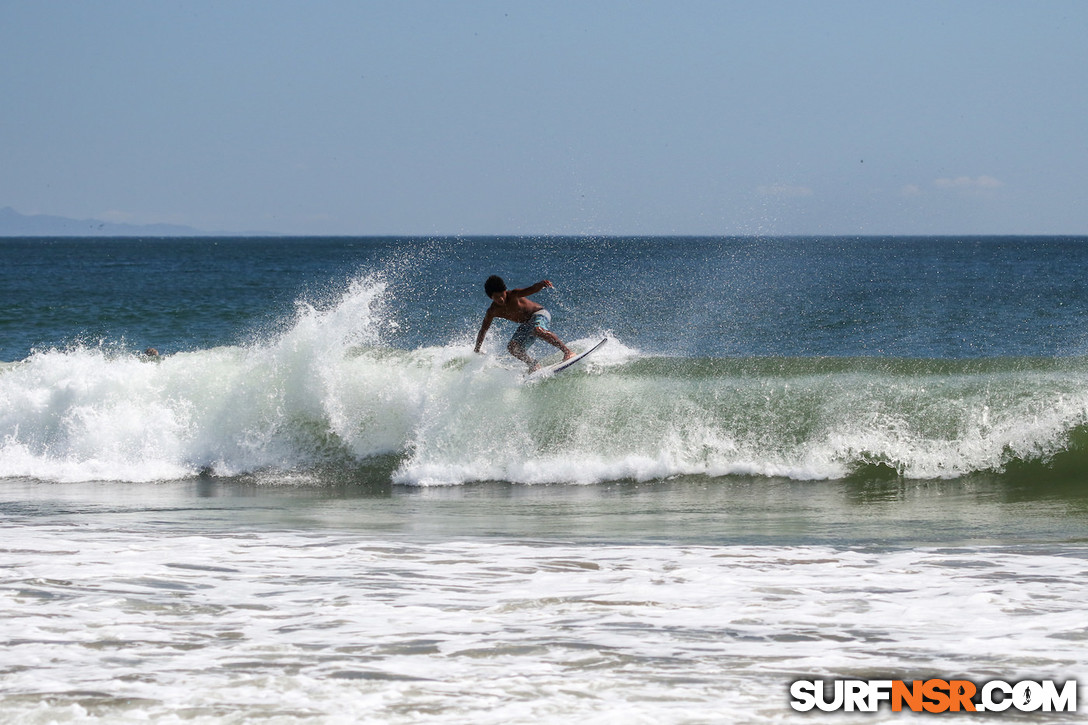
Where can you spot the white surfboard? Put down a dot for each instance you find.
(550, 370)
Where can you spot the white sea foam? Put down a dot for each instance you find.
(115, 625)
(329, 389)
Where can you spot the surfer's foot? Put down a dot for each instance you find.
(568, 354)
(534, 367)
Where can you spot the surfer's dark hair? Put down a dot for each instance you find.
(494, 284)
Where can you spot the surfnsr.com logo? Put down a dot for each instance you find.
(933, 695)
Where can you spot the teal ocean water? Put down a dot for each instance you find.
(795, 458)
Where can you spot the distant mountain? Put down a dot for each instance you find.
(14, 224)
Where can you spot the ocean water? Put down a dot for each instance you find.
(796, 458)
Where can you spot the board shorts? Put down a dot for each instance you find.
(525, 335)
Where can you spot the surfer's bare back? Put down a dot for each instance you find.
(532, 319)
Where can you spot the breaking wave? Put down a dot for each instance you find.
(329, 391)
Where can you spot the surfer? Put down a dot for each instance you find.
(532, 319)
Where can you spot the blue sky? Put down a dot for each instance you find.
(557, 117)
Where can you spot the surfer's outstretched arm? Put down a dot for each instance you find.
(531, 289)
(483, 328)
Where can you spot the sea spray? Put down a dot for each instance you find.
(85, 413)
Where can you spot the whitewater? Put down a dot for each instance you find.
(327, 392)
(795, 459)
